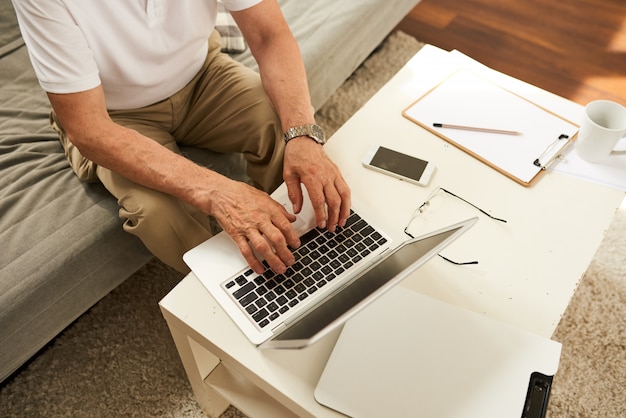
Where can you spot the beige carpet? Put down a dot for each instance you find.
(119, 360)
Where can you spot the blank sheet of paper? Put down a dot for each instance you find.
(467, 99)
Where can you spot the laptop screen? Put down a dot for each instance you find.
(350, 296)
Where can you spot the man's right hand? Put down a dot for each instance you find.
(255, 222)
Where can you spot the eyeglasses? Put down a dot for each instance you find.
(420, 209)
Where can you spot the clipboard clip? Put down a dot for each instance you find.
(549, 150)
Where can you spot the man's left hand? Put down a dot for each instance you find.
(307, 163)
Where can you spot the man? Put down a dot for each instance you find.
(130, 80)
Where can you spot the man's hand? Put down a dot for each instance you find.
(256, 222)
(307, 163)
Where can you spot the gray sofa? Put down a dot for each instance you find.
(62, 247)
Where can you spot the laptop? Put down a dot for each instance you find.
(432, 359)
(335, 276)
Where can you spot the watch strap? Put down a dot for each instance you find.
(311, 130)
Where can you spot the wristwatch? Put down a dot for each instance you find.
(313, 131)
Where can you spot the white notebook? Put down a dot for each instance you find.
(409, 355)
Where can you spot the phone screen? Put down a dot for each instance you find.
(399, 163)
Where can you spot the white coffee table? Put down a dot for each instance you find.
(529, 268)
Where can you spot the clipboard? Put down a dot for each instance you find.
(467, 99)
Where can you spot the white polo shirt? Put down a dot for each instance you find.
(141, 51)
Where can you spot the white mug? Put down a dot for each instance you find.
(603, 125)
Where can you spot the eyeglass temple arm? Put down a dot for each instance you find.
(474, 206)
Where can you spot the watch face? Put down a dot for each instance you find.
(318, 133)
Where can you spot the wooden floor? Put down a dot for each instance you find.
(574, 48)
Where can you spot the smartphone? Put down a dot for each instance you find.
(399, 165)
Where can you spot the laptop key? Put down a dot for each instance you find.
(351, 219)
(248, 299)
(366, 231)
(260, 315)
(244, 290)
(309, 236)
(358, 225)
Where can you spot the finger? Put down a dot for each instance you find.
(282, 255)
(318, 202)
(333, 205)
(248, 254)
(280, 234)
(284, 224)
(294, 191)
(346, 202)
(266, 250)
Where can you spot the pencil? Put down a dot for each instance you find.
(472, 128)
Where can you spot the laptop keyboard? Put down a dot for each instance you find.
(321, 257)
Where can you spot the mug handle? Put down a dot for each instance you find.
(619, 151)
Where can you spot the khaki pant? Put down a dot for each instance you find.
(223, 109)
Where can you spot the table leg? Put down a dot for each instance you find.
(199, 363)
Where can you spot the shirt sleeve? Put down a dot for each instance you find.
(57, 48)
(235, 5)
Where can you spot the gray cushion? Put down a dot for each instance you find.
(10, 37)
(63, 247)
